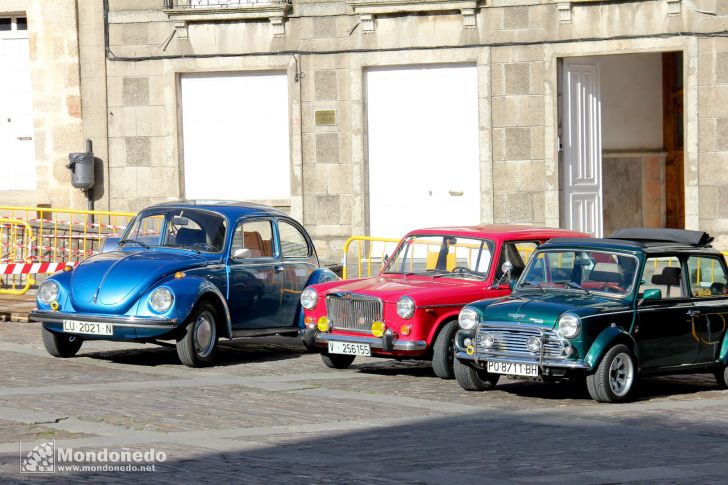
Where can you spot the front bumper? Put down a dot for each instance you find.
(387, 343)
(480, 359)
(116, 320)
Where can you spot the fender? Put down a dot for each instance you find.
(609, 337)
(187, 292)
(723, 355)
(319, 275)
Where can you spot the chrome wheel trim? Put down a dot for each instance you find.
(621, 374)
(204, 333)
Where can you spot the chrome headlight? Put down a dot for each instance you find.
(309, 298)
(468, 318)
(48, 292)
(405, 307)
(161, 299)
(569, 325)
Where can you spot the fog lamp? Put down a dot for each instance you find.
(378, 328)
(467, 342)
(324, 324)
(533, 345)
(487, 340)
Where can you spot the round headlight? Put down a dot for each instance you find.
(48, 292)
(569, 325)
(487, 340)
(469, 318)
(309, 298)
(405, 307)
(161, 300)
(533, 345)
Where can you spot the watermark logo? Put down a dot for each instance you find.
(41, 459)
(46, 457)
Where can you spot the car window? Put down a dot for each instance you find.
(293, 242)
(665, 274)
(707, 276)
(187, 228)
(518, 253)
(256, 237)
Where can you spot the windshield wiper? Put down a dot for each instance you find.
(133, 241)
(531, 284)
(572, 284)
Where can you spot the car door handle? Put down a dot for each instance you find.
(277, 268)
(693, 313)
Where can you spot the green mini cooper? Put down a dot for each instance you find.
(644, 301)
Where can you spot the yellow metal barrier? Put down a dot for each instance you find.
(370, 253)
(16, 238)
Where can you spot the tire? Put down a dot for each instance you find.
(61, 344)
(198, 345)
(443, 354)
(314, 349)
(472, 379)
(722, 377)
(337, 361)
(615, 376)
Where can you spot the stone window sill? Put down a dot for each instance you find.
(185, 11)
(368, 9)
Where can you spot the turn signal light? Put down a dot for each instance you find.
(378, 328)
(179, 274)
(405, 329)
(324, 324)
(67, 268)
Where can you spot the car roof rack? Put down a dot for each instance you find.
(680, 236)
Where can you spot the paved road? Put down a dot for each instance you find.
(272, 413)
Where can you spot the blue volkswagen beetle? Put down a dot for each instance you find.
(186, 271)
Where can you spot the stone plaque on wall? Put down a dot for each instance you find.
(325, 117)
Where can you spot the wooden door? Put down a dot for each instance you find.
(673, 131)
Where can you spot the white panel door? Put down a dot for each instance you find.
(235, 136)
(423, 148)
(17, 147)
(582, 174)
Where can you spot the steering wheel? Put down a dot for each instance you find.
(462, 269)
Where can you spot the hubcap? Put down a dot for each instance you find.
(621, 374)
(204, 334)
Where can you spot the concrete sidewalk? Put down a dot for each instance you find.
(15, 308)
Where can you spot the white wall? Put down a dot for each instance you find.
(631, 90)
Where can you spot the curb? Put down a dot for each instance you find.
(14, 317)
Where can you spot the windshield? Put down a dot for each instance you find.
(446, 256)
(193, 229)
(588, 271)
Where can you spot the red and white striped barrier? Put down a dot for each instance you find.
(33, 268)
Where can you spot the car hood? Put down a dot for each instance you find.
(112, 282)
(423, 289)
(545, 309)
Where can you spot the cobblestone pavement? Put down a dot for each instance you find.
(272, 413)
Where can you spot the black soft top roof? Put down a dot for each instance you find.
(680, 236)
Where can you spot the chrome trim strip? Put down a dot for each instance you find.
(567, 364)
(120, 321)
(376, 343)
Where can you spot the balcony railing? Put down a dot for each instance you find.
(185, 11)
(184, 4)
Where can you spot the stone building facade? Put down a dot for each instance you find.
(585, 114)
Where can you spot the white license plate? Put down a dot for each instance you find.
(347, 348)
(513, 368)
(89, 328)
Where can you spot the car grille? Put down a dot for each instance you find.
(353, 312)
(510, 341)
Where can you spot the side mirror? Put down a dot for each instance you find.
(506, 268)
(652, 294)
(241, 253)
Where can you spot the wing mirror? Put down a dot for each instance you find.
(241, 253)
(504, 282)
(652, 294)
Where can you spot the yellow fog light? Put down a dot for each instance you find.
(470, 350)
(324, 324)
(54, 305)
(405, 329)
(378, 328)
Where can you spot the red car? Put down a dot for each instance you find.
(410, 311)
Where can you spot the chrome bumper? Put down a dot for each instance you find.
(374, 342)
(119, 321)
(564, 364)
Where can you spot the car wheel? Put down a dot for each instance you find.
(472, 379)
(61, 344)
(722, 377)
(443, 352)
(614, 378)
(337, 361)
(198, 345)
